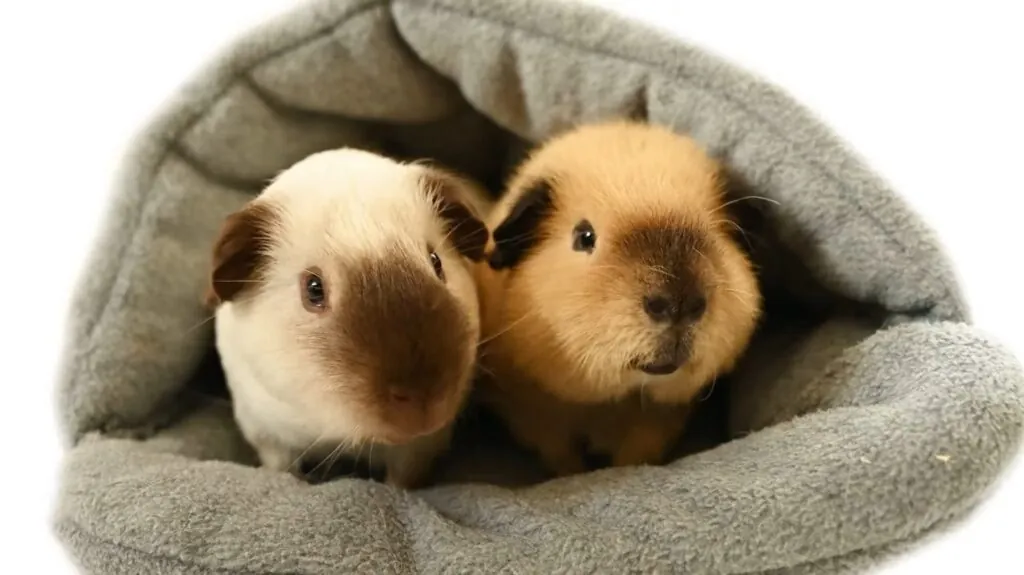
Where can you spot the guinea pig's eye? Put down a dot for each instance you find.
(314, 293)
(435, 260)
(584, 238)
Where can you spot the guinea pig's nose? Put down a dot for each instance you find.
(660, 308)
(400, 396)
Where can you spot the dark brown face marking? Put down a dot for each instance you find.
(670, 257)
(239, 252)
(468, 234)
(403, 332)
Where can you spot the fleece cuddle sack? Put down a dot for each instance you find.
(854, 436)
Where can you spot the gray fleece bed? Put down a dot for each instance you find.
(849, 437)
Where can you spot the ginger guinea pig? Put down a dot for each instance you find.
(615, 292)
(347, 319)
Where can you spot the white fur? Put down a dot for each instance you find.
(333, 207)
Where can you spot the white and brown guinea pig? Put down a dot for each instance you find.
(347, 318)
(615, 292)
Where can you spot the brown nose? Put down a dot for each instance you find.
(664, 308)
(401, 396)
(411, 413)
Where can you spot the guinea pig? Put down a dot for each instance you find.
(614, 292)
(347, 318)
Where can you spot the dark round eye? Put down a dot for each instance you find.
(314, 293)
(584, 238)
(435, 260)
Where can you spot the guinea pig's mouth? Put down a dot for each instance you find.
(659, 368)
(402, 436)
(665, 361)
(405, 428)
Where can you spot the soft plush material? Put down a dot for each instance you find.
(852, 436)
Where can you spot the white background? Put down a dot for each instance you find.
(930, 95)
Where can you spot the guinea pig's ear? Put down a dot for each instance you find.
(239, 252)
(454, 198)
(517, 233)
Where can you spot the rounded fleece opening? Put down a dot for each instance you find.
(864, 374)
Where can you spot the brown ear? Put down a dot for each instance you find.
(239, 252)
(518, 233)
(453, 194)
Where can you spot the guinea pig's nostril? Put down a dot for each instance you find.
(695, 307)
(400, 396)
(658, 307)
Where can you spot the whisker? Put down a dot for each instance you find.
(711, 389)
(450, 231)
(241, 299)
(507, 328)
(198, 325)
(486, 370)
(737, 200)
(737, 227)
(661, 270)
(514, 238)
(298, 460)
(330, 463)
(702, 256)
(739, 295)
(336, 449)
(369, 458)
(738, 291)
